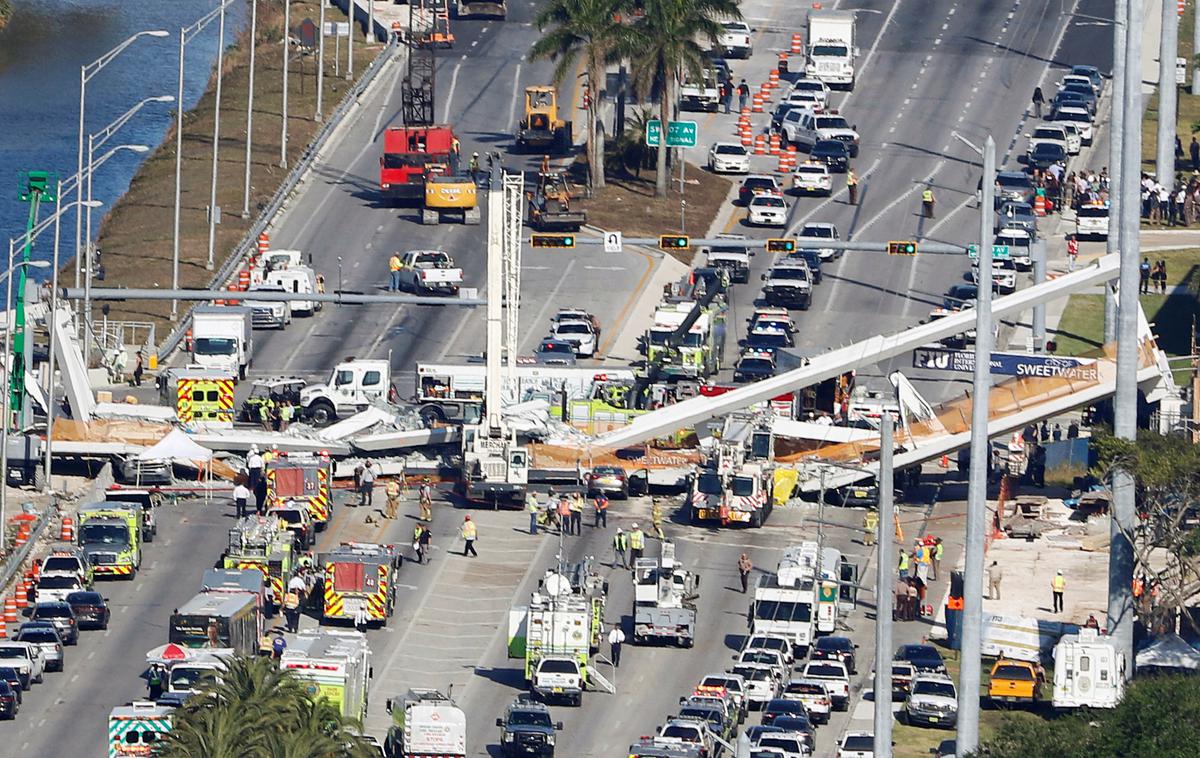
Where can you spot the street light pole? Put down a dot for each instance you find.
(287, 38)
(350, 44)
(884, 568)
(967, 740)
(1124, 515)
(250, 105)
(212, 196)
(1164, 164)
(321, 65)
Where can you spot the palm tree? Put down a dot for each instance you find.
(257, 710)
(666, 43)
(587, 29)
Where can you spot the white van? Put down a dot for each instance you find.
(1088, 671)
(301, 279)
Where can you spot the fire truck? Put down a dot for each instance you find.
(410, 154)
(302, 478)
(360, 575)
(261, 543)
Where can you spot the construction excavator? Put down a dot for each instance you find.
(541, 129)
(550, 204)
(447, 194)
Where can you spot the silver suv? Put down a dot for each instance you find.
(932, 701)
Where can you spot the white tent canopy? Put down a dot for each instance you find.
(1169, 651)
(176, 446)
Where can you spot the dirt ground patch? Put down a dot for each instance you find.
(628, 204)
(136, 236)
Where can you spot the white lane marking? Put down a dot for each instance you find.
(512, 109)
(604, 268)
(902, 197)
(450, 92)
(549, 300)
(462, 323)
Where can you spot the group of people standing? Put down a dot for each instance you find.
(916, 569)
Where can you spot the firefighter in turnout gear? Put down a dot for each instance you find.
(393, 498)
(426, 501)
(870, 526)
(656, 519)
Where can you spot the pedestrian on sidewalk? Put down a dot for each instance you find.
(1072, 252)
(1038, 101)
(616, 638)
(743, 95)
(1057, 586)
(938, 550)
(620, 546)
(1159, 277)
(744, 568)
(994, 575)
(533, 509)
(241, 494)
(601, 504)
(469, 533)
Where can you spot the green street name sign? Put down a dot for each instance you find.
(679, 133)
(999, 252)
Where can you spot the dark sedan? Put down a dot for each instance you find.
(833, 153)
(754, 367)
(10, 701)
(922, 658)
(61, 616)
(780, 707)
(1072, 99)
(769, 341)
(812, 257)
(91, 611)
(1046, 154)
(13, 677)
(800, 724)
(835, 649)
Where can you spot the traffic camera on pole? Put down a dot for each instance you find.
(553, 240)
(901, 247)
(674, 242)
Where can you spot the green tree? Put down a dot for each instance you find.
(591, 30)
(1159, 716)
(668, 42)
(257, 710)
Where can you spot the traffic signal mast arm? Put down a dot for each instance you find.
(923, 247)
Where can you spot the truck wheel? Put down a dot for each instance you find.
(322, 413)
(431, 414)
(38, 479)
(430, 218)
(756, 520)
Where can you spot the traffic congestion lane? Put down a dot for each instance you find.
(68, 715)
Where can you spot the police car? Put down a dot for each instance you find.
(812, 178)
(758, 184)
(768, 338)
(728, 157)
(1019, 246)
(817, 88)
(772, 317)
(754, 365)
(768, 210)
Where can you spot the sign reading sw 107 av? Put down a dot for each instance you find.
(1007, 364)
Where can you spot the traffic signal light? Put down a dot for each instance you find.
(674, 242)
(902, 247)
(553, 240)
(781, 246)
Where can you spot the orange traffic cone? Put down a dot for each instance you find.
(10, 610)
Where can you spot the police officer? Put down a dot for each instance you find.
(154, 681)
(927, 201)
(852, 186)
(656, 518)
(419, 541)
(902, 565)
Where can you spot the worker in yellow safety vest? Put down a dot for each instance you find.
(903, 564)
(468, 534)
(393, 498)
(395, 266)
(637, 543)
(927, 202)
(852, 187)
(870, 525)
(1058, 585)
(656, 518)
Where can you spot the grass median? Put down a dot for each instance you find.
(136, 235)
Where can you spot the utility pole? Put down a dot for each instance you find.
(967, 740)
(1039, 311)
(1116, 143)
(321, 65)
(350, 43)
(287, 38)
(250, 104)
(884, 568)
(1195, 53)
(213, 211)
(1168, 48)
(1124, 514)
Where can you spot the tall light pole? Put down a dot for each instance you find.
(8, 366)
(1124, 512)
(85, 75)
(1164, 164)
(884, 571)
(350, 43)
(213, 212)
(186, 35)
(967, 738)
(321, 64)
(87, 282)
(250, 104)
(1116, 152)
(287, 39)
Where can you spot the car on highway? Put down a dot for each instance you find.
(754, 366)
(46, 638)
(833, 153)
(758, 184)
(781, 744)
(960, 296)
(687, 733)
(1018, 215)
(731, 686)
(1019, 244)
(820, 230)
(788, 284)
(805, 100)
(728, 158)
(762, 682)
(801, 725)
(856, 744)
(835, 648)
(1076, 92)
(610, 480)
(781, 706)
(527, 729)
(778, 318)
(61, 616)
(13, 677)
(924, 658)
(932, 701)
(818, 88)
(552, 352)
(1081, 117)
(1004, 275)
(772, 658)
(1013, 185)
(776, 642)
(734, 39)
(1054, 134)
(1046, 154)
(768, 340)
(806, 128)
(10, 701)
(767, 210)
(91, 609)
(835, 677)
(1093, 75)
(733, 262)
(579, 334)
(814, 694)
(56, 586)
(780, 113)
(812, 258)
(812, 178)
(26, 659)
(298, 521)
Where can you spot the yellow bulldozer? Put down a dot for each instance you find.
(541, 129)
(449, 194)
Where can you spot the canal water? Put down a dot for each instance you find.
(41, 52)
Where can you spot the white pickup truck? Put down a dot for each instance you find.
(430, 271)
(701, 94)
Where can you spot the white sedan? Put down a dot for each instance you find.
(768, 210)
(856, 745)
(728, 157)
(818, 88)
(579, 334)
